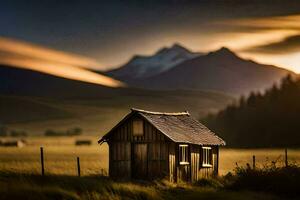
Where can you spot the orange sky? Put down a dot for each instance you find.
(265, 40)
(244, 34)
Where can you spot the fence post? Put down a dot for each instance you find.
(253, 161)
(286, 158)
(42, 161)
(78, 166)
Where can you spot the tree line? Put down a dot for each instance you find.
(4, 132)
(269, 119)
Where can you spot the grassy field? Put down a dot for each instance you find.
(20, 174)
(34, 187)
(60, 156)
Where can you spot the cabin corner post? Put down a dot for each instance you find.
(109, 159)
(172, 162)
(177, 177)
(190, 165)
(217, 163)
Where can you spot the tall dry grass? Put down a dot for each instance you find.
(35, 187)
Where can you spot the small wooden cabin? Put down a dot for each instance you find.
(153, 145)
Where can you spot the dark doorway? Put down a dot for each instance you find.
(139, 161)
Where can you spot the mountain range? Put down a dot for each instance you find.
(146, 66)
(32, 101)
(221, 70)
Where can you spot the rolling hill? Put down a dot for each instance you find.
(34, 101)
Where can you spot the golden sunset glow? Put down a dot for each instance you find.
(63, 70)
(35, 51)
(289, 61)
(255, 32)
(277, 29)
(57, 63)
(243, 36)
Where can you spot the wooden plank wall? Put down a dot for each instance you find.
(215, 152)
(120, 161)
(158, 160)
(172, 163)
(183, 173)
(195, 162)
(197, 171)
(124, 133)
(120, 149)
(206, 172)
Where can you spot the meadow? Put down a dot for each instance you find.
(20, 174)
(60, 157)
(35, 187)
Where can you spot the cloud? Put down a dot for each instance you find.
(266, 23)
(265, 35)
(288, 45)
(35, 51)
(62, 64)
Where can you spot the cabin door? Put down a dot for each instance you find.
(139, 164)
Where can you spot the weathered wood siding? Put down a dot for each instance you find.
(121, 148)
(183, 171)
(120, 161)
(139, 162)
(197, 170)
(215, 152)
(195, 162)
(172, 162)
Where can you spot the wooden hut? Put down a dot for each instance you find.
(151, 145)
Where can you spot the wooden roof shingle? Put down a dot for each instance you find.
(179, 127)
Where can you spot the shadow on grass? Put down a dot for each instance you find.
(34, 187)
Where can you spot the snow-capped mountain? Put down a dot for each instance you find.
(146, 66)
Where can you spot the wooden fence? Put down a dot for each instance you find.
(102, 172)
(285, 159)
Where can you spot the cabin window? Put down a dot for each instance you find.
(206, 157)
(138, 127)
(183, 154)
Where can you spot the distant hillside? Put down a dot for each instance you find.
(34, 102)
(145, 66)
(261, 120)
(27, 109)
(221, 71)
(17, 81)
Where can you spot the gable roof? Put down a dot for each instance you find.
(179, 127)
